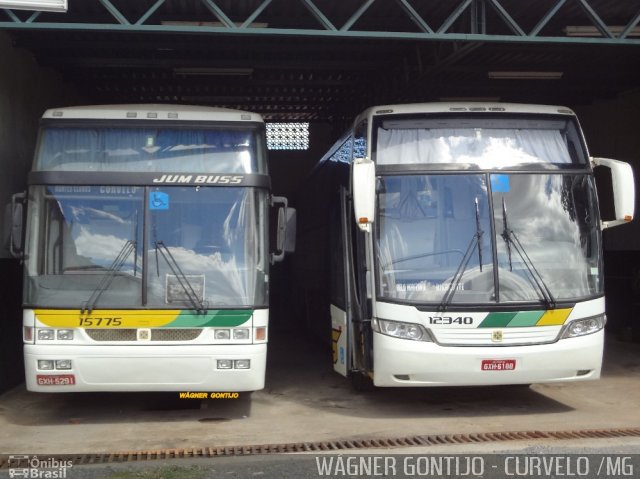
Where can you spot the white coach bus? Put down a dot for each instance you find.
(466, 246)
(146, 250)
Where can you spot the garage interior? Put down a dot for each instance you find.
(321, 62)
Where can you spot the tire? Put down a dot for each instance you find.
(361, 382)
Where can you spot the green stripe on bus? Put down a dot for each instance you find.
(525, 319)
(497, 320)
(213, 318)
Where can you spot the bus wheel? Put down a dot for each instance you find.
(361, 382)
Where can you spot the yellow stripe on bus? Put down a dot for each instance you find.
(105, 318)
(554, 317)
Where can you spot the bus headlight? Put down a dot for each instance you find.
(224, 364)
(402, 330)
(242, 333)
(45, 364)
(63, 364)
(65, 334)
(222, 333)
(46, 334)
(242, 364)
(582, 327)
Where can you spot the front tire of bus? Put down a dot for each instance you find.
(361, 382)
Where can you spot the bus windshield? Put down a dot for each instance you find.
(135, 247)
(159, 149)
(486, 142)
(487, 238)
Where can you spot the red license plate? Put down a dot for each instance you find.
(56, 379)
(498, 364)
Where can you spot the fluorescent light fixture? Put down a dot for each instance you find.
(592, 31)
(37, 5)
(517, 75)
(213, 71)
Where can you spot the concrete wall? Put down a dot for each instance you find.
(26, 90)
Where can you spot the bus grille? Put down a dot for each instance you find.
(175, 334)
(130, 334)
(507, 337)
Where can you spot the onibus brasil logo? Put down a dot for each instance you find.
(40, 468)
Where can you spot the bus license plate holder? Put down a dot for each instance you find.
(56, 379)
(498, 365)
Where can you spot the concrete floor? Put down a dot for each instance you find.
(305, 401)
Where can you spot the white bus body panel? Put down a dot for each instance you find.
(150, 368)
(339, 340)
(401, 362)
(429, 364)
(151, 112)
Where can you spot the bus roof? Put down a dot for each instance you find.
(464, 107)
(151, 112)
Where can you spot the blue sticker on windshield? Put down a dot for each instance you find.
(158, 200)
(500, 183)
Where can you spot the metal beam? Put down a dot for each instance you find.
(33, 17)
(373, 35)
(150, 12)
(454, 16)
(595, 18)
(466, 32)
(220, 15)
(324, 21)
(415, 17)
(115, 12)
(632, 24)
(14, 18)
(550, 14)
(511, 23)
(356, 16)
(255, 14)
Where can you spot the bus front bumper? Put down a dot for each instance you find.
(145, 368)
(400, 362)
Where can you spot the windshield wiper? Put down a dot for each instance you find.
(476, 241)
(196, 303)
(107, 279)
(479, 234)
(511, 239)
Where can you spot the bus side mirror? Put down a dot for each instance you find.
(286, 229)
(286, 240)
(363, 177)
(16, 227)
(624, 196)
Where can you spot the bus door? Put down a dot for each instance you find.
(351, 331)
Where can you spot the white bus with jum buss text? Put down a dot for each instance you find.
(145, 250)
